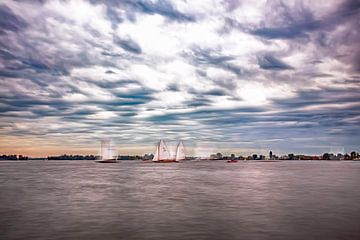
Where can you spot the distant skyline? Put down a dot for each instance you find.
(225, 76)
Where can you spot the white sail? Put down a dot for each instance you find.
(162, 152)
(156, 155)
(107, 150)
(180, 152)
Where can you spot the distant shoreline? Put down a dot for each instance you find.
(201, 160)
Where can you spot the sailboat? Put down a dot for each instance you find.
(162, 153)
(180, 152)
(107, 152)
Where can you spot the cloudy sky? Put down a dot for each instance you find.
(232, 75)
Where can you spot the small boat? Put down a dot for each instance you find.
(232, 161)
(110, 160)
(107, 153)
(180, 152)
(162, 154)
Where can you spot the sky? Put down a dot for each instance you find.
(232, 76)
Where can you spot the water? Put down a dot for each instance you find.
(193, 200)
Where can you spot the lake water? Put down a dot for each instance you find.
(191, 200)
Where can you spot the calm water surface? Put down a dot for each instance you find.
(192, 200)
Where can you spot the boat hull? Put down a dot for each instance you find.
(166, 161)
(232, 161)
(107, 161)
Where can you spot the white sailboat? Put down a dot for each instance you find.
(107, 152)
(162, 153)
(180, 152)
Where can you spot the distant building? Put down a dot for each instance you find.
(353, 155)
(326, 156)
(9, 157)
(332, 156)
(148, 156)
(306, 157)
(217, 156)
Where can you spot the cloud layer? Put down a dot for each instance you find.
(245, 75)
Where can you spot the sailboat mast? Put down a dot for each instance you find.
(109, 150)
(158, 150)
(101, 151)
(177, 152)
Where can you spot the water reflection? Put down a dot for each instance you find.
(199, 200)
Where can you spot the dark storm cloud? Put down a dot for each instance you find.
(349, 8)
(198, 101)
(131, 98)
(115, 84)
(8, 74)
(9, 20)
(348, 15)
(66, 109)
(135, 102)
(294, 30)
(111, 54)
(286, 32)
(269, 62)
(113, 16)
(288, 23)
(18, 61)
(141, 94)
(161, 7)
(6, 55)
(214, 58)
(212, 92)
(298, 22)
(213, 116)
(169, 118)
(26, 102)
(208, 56)
(25, 58)
(7, 108)
(173, 87)
(128, 45)
(215, 92)
(321, 97)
